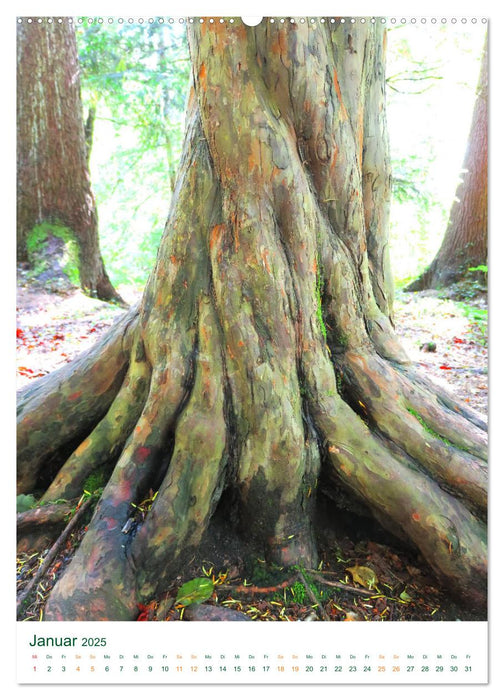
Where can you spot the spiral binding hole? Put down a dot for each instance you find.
(272, 20)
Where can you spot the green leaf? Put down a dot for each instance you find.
(405, 597)
(195, 591)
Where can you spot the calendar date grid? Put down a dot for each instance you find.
(261, 664)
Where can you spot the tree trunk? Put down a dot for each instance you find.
(262, 360)
(52, 173)
(89, 132)
(465, 243)
(163, 62)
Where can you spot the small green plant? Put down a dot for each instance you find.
(24, 502)
(263, 574)
(478, 319)
(479, 268)
(36, 242)
(432, 432)
(95, 481)
(299, 594)
(316, 591)
(426, 427)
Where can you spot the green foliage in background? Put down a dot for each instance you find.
(135, 80)
(432, 74)
(478, 319)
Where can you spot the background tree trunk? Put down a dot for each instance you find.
(465, 243)
(52, 174)
(262, 361)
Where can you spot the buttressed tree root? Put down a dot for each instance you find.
(263, 355)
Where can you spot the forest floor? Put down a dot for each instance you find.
(367, 575)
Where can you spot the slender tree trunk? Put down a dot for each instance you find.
(89, 132)
(52, 173)
(465, 243)
(262, 360)
(165, 108)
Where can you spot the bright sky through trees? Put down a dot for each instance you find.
(432, 127)
(432, 69)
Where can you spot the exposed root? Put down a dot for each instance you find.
(105, 443)
(402, 497)
(52, 514)
(448, 401)
(100, 578)
(37, 527)
(384, 398)
(193, 483)
(406, 501)
(51, 554)
(64, 406)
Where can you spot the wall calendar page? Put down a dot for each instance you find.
(193, 654)
(252, 350)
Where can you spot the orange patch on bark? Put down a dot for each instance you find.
(83, 447)
(334, 157)
(254, 159)
(415, 517)
(75, 395)
(344, 113)
(346, 470)
(202, 74)
(236, 228)
(204, 333)
(279, 48)
(216, 234)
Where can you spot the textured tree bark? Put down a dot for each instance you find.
(262, 357)
(52, 173)
(465, 243)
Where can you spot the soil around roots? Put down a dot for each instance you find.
(420, 318)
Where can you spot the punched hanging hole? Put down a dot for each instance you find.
(251, 21)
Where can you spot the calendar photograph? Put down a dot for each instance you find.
(252, 348)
